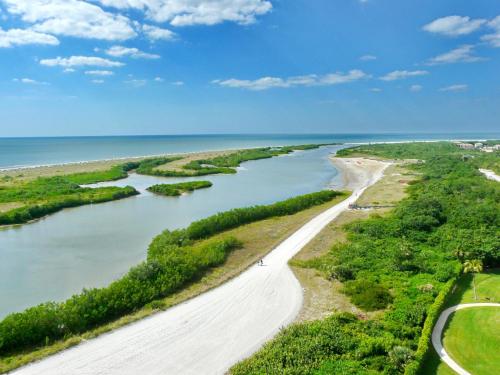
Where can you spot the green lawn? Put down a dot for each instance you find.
(472, 336)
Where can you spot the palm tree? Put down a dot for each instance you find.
(473, 266)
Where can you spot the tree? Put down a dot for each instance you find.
(473, 266)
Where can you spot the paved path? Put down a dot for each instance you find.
(209, 333)
(437, 333)
(490, 175)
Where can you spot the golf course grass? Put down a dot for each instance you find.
(472, 336)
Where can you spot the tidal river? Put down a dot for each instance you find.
(90, 246)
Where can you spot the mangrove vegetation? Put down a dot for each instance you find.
(47, 195)
(401, 265)
(174, 190)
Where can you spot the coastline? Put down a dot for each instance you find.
(15, 168)
(354, 171)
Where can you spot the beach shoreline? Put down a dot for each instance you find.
(20, 168)
(354, 171)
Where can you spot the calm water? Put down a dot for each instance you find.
(90, 246)
(42, 151)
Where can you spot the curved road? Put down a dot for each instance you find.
(209, 333)
(438, 331)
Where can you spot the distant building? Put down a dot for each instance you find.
(478, 145)
(465, 146)
(491, 148)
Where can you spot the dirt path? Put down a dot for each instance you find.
(210, 333)
(437, 333)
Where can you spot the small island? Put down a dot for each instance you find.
(175, 190)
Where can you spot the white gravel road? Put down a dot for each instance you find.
(490, 175)
(437, 332)
(210, 333)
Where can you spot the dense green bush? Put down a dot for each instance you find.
(424, 343)
(406, 261)
(367, 294)
(174, 190)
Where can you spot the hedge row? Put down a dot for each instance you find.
(424, 343)
(239, 216)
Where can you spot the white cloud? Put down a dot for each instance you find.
(136, 82)
(102, 73)
(257, 85)
(196, 12)
(455, 88)
(158, 79)
(416, 88)
(454, 25)
(69, 70)
(97, 81)
(74, 18)
(178, 83)
(266, 83)
(73, 61)
(463, 54)
(157, 33)
(120, 51)
(493, 38)
(376, 89)
(29, 81)
(368, 58)
(402, 74)
(18, 37)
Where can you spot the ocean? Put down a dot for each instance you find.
(26, 152)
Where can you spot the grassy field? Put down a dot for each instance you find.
(472, 337)
(257, 239)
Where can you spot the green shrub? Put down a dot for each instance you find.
(367, 295)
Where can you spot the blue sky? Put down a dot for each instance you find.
(99, 67)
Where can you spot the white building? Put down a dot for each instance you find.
(465, 146)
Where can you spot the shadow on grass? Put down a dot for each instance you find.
(456, 296)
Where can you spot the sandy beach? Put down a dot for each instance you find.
(218, 328)
(355, 171)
